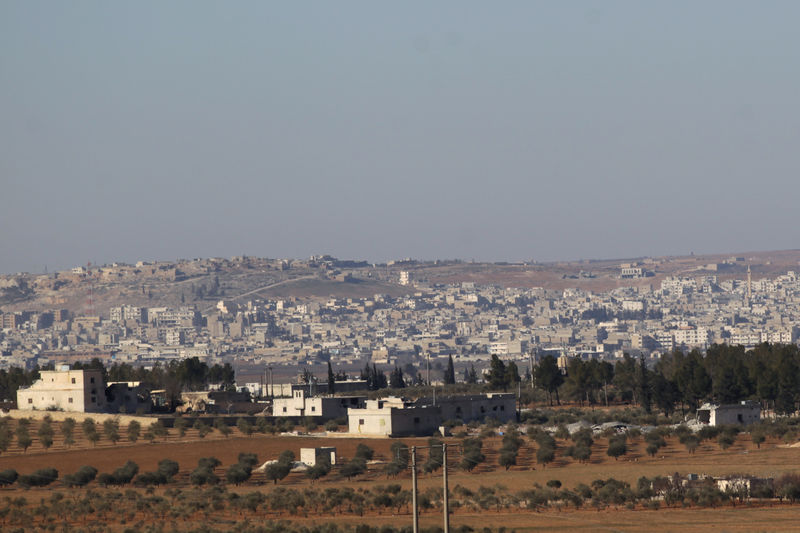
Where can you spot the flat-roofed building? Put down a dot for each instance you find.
(65, 390)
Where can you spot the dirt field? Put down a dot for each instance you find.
(772, 460)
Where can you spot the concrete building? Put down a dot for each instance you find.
(324, 407)
(312, 456)
(395, 417)
(746, 412)
(65, 390)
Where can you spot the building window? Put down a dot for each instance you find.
(30, 400)
(94, 400)
(73, 380)
(91, 380)
(284, 409)
(70, 400)
(360, 421)
(416, 420)
(313, 408)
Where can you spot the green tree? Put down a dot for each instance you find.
(5, 435)
(221, 426)
(244, 426)
(400, 457)
(111, 430)
(90, 430)
(68, 431)
(24, 439)
(498, 379)
(46, 433)
(134, 430)
(180, 424)
(549, 377)
(450, 372)
(331, 379)
(645, 392)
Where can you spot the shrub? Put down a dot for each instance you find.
(472, 454)
(245, 427)
(617, 447)
(365, 452)
(111, 430)
(400, 458)
(134, 430)
(46, 433)
(180, 424)
(8, 477)
(355, 467)
(82, 477)
(120, 476)
(39, 478)
(221, 426)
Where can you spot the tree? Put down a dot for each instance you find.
(277, 471)
(331, 379)
(365, 452)
(512, 374)
(354, 467)
(435, 456)
(237, 474)
(400, 456)
(68, 431)
(46, 433)
(134, 430)
(180, 424)
(497, 373)
(549, 377)
(24, 439)
(39, 478)
(5, 436)
(545, 455)
(111, 430)
(396, 378)
(472, 455)
(617, 447)
(244, 426)
(645, 393)
(168, 468)
(8, 477)
(81, 478)
(450, 372)
(221, 426)
(321, 468)
(90, 430)
(471, 375)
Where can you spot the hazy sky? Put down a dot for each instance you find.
(379, 130)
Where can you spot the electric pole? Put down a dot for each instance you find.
(446, 499)
(414, 507)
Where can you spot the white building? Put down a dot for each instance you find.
(745, 412)
(66, 390)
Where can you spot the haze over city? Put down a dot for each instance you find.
(531, 130)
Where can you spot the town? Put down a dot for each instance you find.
(416, 324)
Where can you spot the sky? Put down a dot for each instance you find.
(493, 131)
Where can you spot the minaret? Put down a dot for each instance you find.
(749, 286)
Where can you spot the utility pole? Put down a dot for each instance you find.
(414, 507)
(446, 499)
(530, 361)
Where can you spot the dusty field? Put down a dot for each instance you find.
(724, 519)
(773, 459)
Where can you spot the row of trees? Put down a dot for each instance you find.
(213, 505)
(725, 374)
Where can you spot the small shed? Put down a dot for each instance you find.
(311, 456)
(745, 412)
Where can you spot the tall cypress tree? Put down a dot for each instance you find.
(450, 373)
(331, 380)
